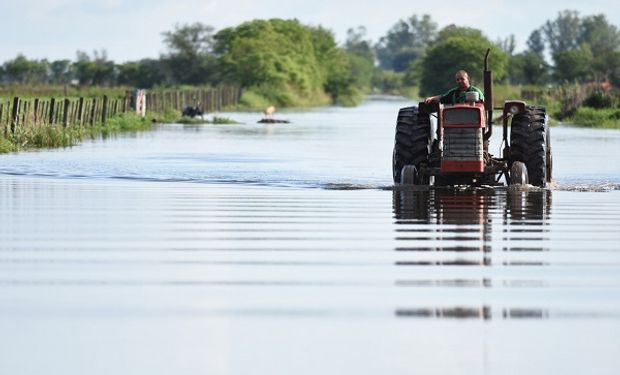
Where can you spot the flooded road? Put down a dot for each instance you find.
(283, 249)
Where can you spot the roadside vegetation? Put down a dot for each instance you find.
(571, 64)
(27, 137)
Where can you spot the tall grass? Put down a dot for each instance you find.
(6, 145)
(596, 118)
(43, 137)
(54, 136)
(127, 122)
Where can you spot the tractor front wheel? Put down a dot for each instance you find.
(518, 174)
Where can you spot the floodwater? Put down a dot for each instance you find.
(284, 249)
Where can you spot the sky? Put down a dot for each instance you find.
(130, 30)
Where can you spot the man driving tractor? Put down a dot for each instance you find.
(457, 94)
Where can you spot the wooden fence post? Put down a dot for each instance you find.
(57, 121)
(36, 112)
(51, 110)
(104, 110)
(73, 113)
(92, 112)
(15, 114)
(44, 112)
(65, 114)
(81, 111)
(25, 113)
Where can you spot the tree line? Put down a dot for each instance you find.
(289, 63)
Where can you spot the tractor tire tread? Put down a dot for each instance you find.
(528, 143)
(411, 140)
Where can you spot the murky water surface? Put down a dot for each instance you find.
(283, 249)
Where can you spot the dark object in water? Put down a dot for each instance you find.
(273, 121)
(192, 112)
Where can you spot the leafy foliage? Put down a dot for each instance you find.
(527, 68)
(96, 71)
(190, 59)
(574, 64)
(454, 53)
(144, 73)
(582, 48)
(563, 33)
(24, 71)
(592, 117)
(361, 56)
(284, 61)
(405, 42)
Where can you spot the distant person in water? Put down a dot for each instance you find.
(457, 94)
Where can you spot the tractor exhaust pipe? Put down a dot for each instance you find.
(488, 95)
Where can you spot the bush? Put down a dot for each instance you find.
(127, 122)
(600, 118)
(6, 145)
(502, 93)
(388, 81)
(599, 99)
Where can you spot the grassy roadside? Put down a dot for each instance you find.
(608, 118)
(55, 136)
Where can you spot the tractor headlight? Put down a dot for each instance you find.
(514, 109)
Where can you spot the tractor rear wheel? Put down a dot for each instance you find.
(411, 142)
(528, 143)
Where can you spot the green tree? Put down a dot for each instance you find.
(453, 53)
(361, 57)
(358, 44)
(60, 71)
(24, 71)
(335, 66)
(274, 55)
(284, 61)
(536, 43)
(424, 29)
(405, 42)
(508, 45)
(527, 68)
(614, 70)
(461, 32)
(574, 65)
(563, 33)
(604, 42)
(96, 71)
(599, 34)
(190, 57)
(582, 48)
(145, 73)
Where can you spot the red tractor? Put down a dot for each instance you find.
(455, 151)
